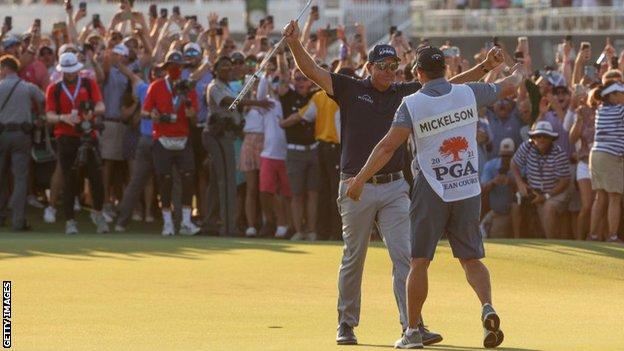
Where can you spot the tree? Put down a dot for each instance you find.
(454, 146)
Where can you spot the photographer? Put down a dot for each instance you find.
(71, 105)
(171, 102)
(16, 99)
(547, 172)
(497, 181)
(224, 126)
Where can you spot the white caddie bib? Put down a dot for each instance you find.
(445, 136)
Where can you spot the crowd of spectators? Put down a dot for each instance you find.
(157, 88)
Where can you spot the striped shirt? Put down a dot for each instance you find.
(542, 171)
(609, 135)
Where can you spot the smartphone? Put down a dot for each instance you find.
(314, 8)
(59, 26)
(153, 11)
(489, 45)
(590, 71)
(176, 10)
(357, 38)
(68, 5)
(224, 22)
(601, 59)
(8, 22)
(585, 45)
(398, 33)
(519, 56)
(614, 62)
(269, 19)
(393, 29)
(38, 22)
(495, 41)
(313, 37)
(219, 31)
(164, 13)
(96, 20)
(82, 6)
(251, 32)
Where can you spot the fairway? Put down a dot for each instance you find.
(141, 291)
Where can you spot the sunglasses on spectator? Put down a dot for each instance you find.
(541, 136)
(385, 66)
(251, 63)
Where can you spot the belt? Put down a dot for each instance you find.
(329, 144)
(378, 178)
(302, 147)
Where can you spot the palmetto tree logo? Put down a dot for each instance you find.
(453, 147)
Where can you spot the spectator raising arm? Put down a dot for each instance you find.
(304, 62)
(493, 59)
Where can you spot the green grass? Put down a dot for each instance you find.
(141, 291)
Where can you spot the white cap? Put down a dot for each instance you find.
(615, 87)
(121, 49)
(68, 63)
(192, 47)
(507, 147)
(65, 47)
(543, 128)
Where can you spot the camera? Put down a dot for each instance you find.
(87, 106)
(168, 118)
(219, 125)
(183, 86)
(88, 144)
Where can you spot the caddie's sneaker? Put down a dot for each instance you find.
(492, 335)
(189, 229)
(168, 229)
(298, 237)
(428, 337)
(345, 335)
(71, 227)
(411, 339)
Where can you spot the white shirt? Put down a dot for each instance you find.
(254, 122)
(274, 135)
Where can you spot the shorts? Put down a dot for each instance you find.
(431, 217)
(250, 152)
(582, 171)
(607, 172)
(559, 201)
(273, 179)
(112, 141)
(165, 159)
(303, 170)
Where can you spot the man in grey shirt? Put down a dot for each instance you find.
(16, 98)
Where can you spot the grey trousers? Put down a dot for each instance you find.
(388, 206)
(221, 191)
(142, 169)
(15, 146)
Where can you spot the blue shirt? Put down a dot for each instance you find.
(146, 123)
(366, 115)
(501, 196)
(116, 84)
(504, 128)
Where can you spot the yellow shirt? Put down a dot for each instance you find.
(325, 111)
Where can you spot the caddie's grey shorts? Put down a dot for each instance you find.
(431, 217)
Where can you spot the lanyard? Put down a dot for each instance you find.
(175, 100)
(73, 97)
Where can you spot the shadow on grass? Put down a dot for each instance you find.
(571, 247)
(50, 241)
(450, 347)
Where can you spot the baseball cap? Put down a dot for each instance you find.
(192, 50)
(381, 52)
(237, 56)
(543, 128)
(430, 59)
(121, 49)
(10, 41)
(173, 57)
(507, 147)
(66, 47)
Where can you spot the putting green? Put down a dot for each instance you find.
(141, 291)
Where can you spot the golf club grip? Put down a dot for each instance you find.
(253, 79)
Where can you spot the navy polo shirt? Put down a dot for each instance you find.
(366, 115)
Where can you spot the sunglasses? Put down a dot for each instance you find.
(385, 66)
(541, 136)
(251, 63)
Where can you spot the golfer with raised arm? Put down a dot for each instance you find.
(442, 119)
(367, 107)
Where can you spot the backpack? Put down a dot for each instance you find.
(86, 82)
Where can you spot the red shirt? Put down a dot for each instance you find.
(66, 107)
(160, 98)
(36, 73)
